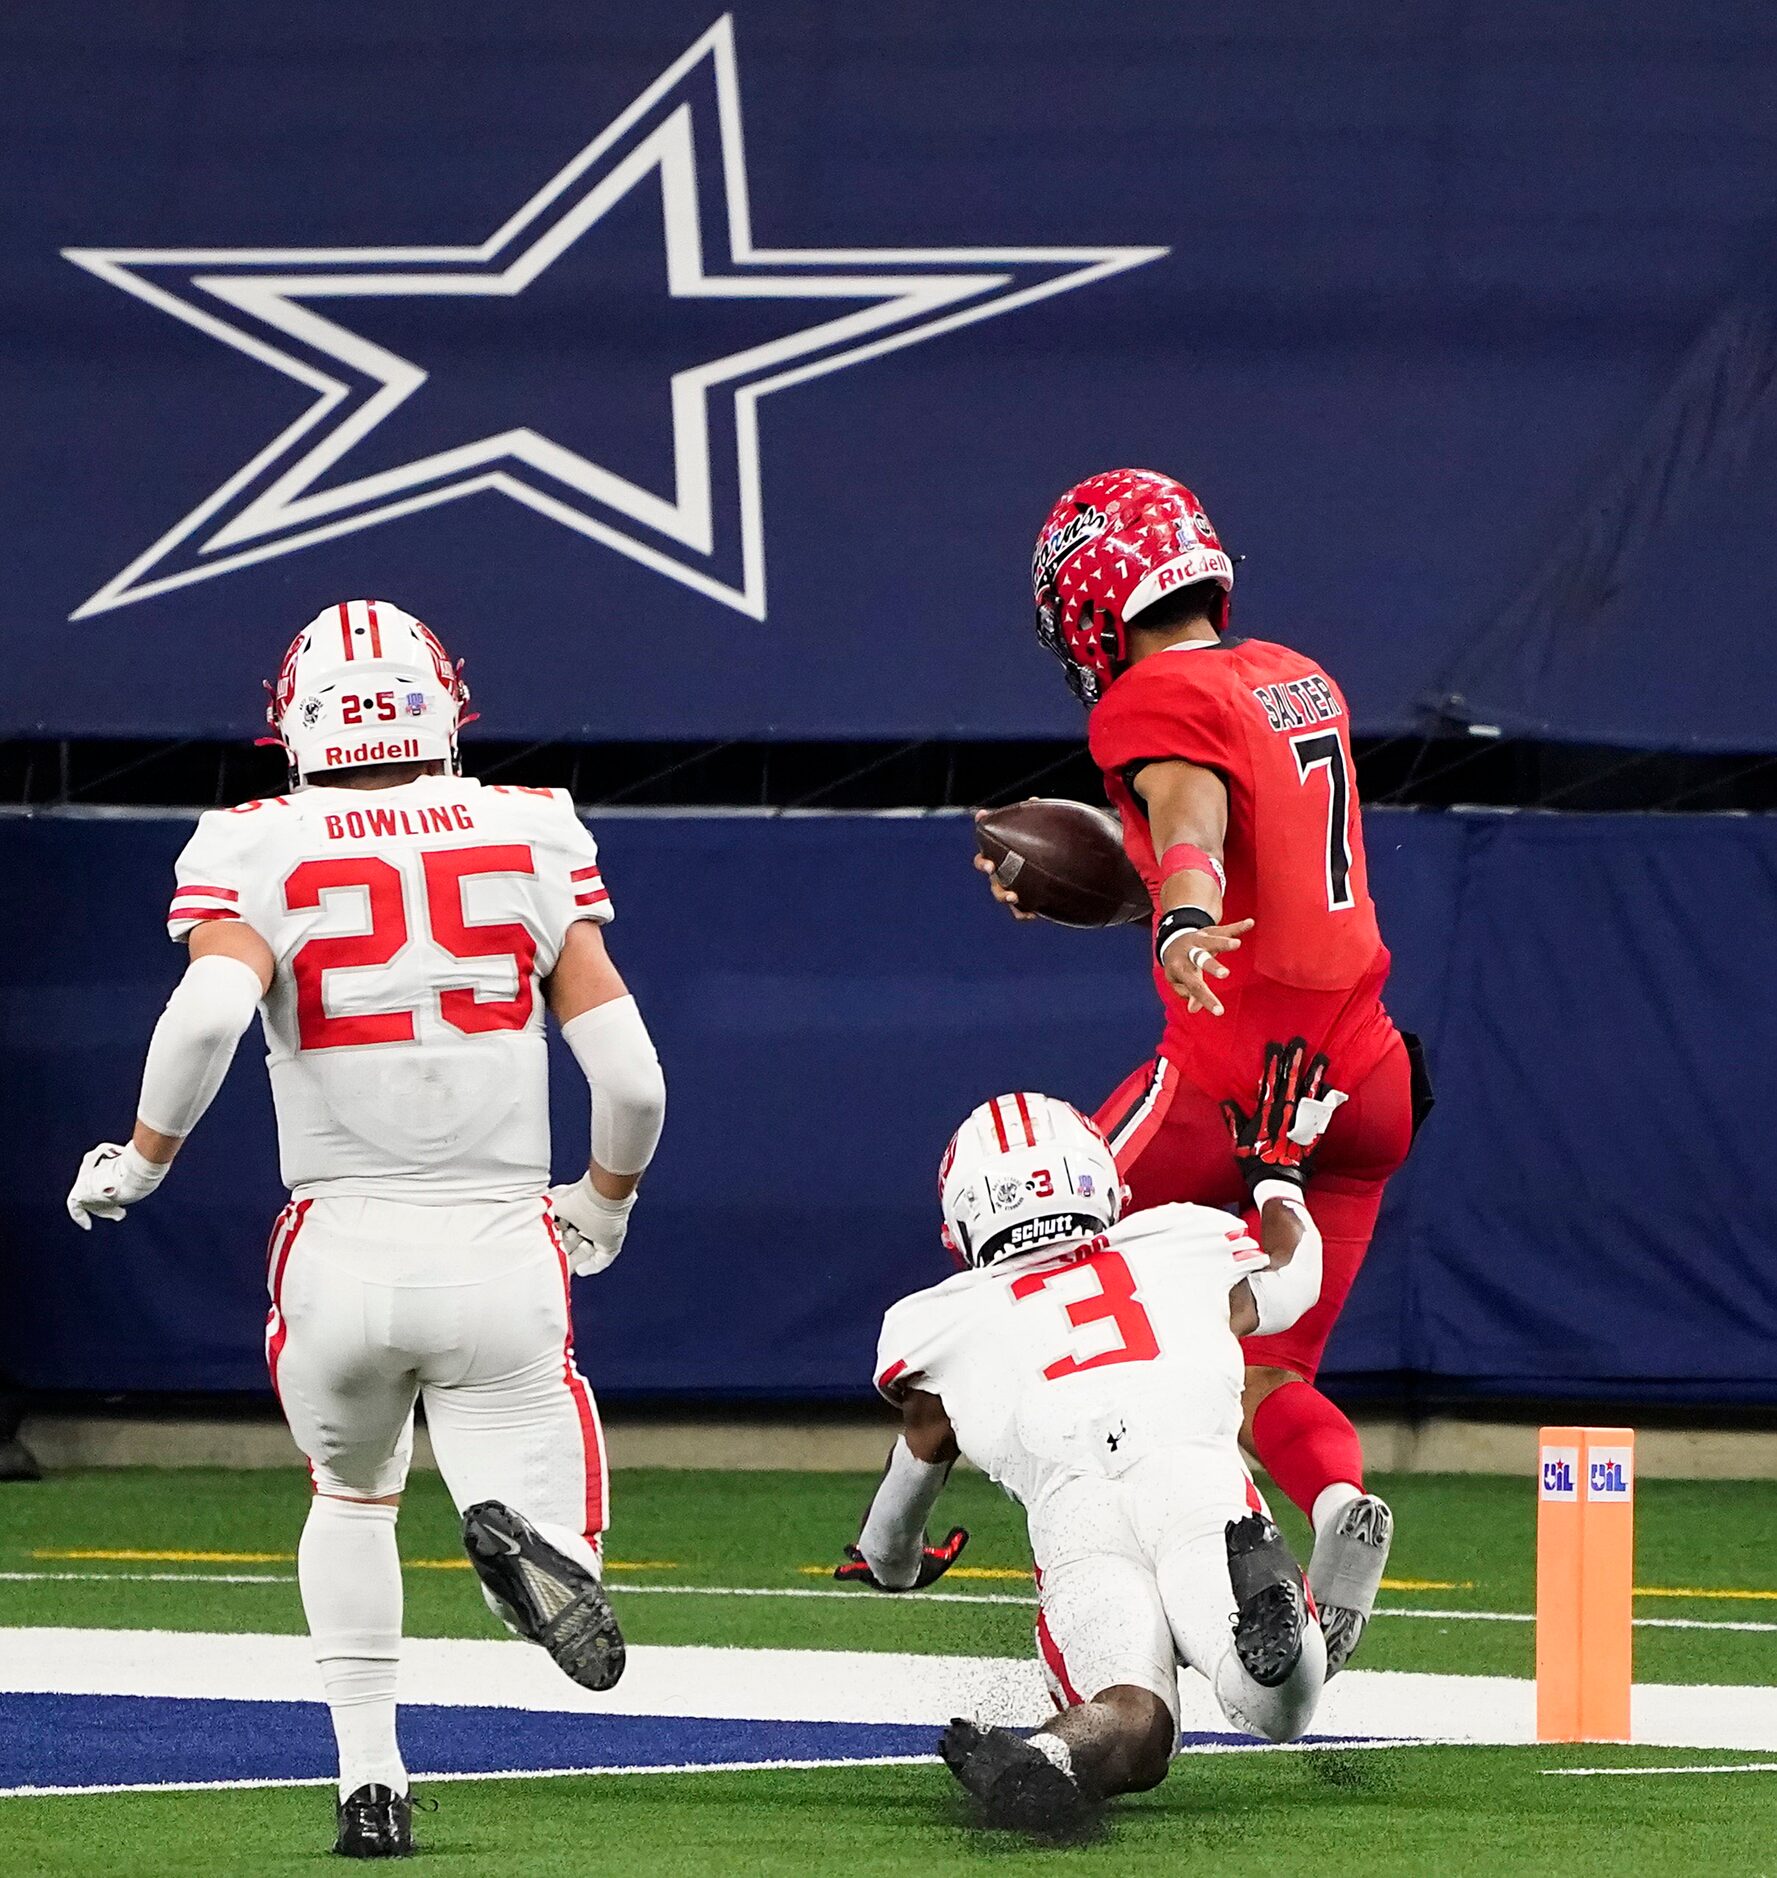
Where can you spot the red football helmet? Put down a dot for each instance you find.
(1113, 545)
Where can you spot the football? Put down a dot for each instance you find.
(1065, 862)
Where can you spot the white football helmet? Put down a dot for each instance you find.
(365, 683)
(1024, 1171)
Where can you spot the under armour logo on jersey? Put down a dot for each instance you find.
(292, 309)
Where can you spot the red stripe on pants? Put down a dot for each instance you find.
(283, 1240)
(592, 1440)
(1051, 1651)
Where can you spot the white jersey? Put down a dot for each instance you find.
(1083, 1359)
(412, 929)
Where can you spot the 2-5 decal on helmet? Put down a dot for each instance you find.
(362, 684)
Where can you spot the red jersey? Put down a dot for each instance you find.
(1275, 728)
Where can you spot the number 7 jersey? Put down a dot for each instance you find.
(1275, 728)
(1083, 1358)
(412, 929)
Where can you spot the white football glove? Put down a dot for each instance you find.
(592, 1227)
(111, 1178)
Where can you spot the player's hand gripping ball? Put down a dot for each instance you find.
(934, 1562)
(1277, 1140)
(1061, 861)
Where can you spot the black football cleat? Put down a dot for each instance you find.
(375, 1822)
(1017, 1787)
(549, 1598)
(1270, 1599)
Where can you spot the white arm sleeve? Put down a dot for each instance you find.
(612, 1046)
(194, 1042)
(1282, 1297)
(893, 1538)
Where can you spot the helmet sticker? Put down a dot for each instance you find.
(1087, 524)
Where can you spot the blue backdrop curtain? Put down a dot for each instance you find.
(1589, 1211)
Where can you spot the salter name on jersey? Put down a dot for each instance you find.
(1296, 703)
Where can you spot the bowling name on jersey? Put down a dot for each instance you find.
(361, 824)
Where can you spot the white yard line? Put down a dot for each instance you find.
(1028, 1603)
(1724, 1767)
(820, 1685)
(1015, 1599)
(661, 1680)
(504, 1773)
(149, 1578)
(423, 1780)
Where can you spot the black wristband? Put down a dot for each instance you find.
(1255, 1173)
(1179, 919)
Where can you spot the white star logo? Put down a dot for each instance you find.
(709, 533)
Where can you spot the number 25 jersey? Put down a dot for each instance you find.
(412, 929)
(1275, 728)
(1083, 1359)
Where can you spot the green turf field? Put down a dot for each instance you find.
(148, 1550)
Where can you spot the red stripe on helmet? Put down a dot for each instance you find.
(376, 632)
(1030, 1134)
(345, 627)
(999, 1126)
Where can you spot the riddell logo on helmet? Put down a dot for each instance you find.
(1068, 539)
(406, 750)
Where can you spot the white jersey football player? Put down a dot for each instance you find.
(400, 930)
(1091, 1366)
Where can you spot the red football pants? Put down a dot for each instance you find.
(1172, 1144)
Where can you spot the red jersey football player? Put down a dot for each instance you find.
(1229, 763)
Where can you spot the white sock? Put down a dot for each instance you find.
(350, 1575)
(1052, 1747)
(1331, 1501)
(574, 1545)
(1281, 1714)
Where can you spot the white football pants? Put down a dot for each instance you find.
(1132, 1576)
(377, 1303)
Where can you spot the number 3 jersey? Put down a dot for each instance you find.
(1083, 1359)
(1275, 728)
(412, 929)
